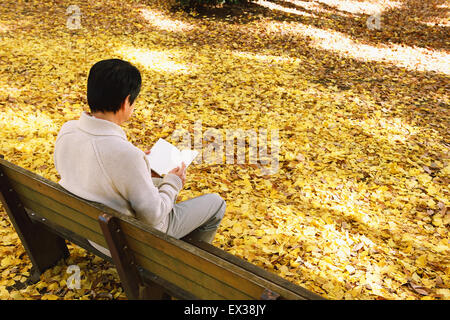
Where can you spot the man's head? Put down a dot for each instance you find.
(110, 82)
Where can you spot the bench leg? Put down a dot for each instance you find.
(153, 291)
(123, 259)
(43, 247)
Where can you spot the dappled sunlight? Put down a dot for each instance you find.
(156, 60)
(361, 187)
(411, 58)
(349, 199)
(9, 92)
(274, 6)
(387, 129)
(4, 27)
(325, 240)
(443, 21)
(346, 8)
(262, 57)
(32, 131)
(158, 20)
(353, 224)
(360, 7)
(307, 5)
(25, 122)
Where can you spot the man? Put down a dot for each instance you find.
(97, 162)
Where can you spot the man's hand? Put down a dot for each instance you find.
(180, 172)
(153, 173)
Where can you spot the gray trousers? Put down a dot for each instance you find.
(197, 218)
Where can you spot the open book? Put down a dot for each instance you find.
(164, 157)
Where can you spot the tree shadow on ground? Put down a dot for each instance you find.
(385, 81)
(411, 95)
(414, 23)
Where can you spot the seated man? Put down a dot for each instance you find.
(97, 162)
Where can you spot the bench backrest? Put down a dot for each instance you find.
(203, 270)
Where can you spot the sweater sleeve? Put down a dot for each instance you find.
(129, 173)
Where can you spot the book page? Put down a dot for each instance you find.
(187, 156)
(164, 157)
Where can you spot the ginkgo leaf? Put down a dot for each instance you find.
(357, 207)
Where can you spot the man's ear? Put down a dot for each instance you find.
(125, 102)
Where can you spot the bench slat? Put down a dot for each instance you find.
(173, 290)
(254, 269)
(52, 211)
(196, 269)
(64, 216)
(147, 256)
(27, 194)
(54, 191)
(178, 279)
(45, 209)
(170, 263)
(251, 284)
(63, 221)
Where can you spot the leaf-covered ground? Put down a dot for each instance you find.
(359, 206)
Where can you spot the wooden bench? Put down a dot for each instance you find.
(150, 264)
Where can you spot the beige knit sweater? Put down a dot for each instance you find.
(97, 162)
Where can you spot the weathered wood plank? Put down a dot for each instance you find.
(177, 279)
(173, 290)
(67, 234)
(57, 207)
(65, 216)
(249, 283)
(54, 191)
(64, 222)
(254, 269)
(178, 266)
(122, 256)
(146, 275)
(232, 272)
(44, 248)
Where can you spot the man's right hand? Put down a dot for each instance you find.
(180, 172)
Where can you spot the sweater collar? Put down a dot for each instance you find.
(99, 127)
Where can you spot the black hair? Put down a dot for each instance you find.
(110, 82)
